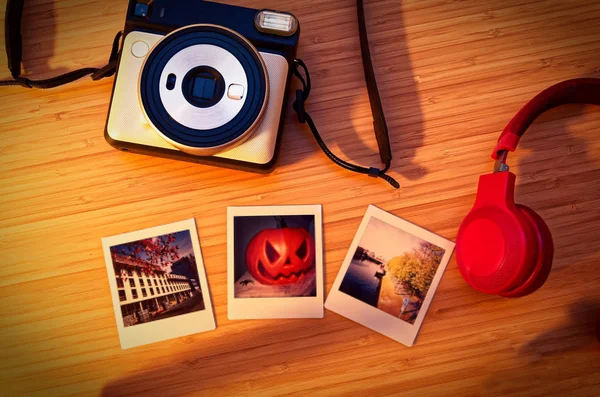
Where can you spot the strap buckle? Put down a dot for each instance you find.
(23, 81)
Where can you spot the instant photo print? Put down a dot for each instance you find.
(158, 284)
(389, 276)
(274, 262)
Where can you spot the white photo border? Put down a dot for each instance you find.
(168, 328)
(276, 307)
(372, 317)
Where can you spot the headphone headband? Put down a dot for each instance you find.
(582, 90)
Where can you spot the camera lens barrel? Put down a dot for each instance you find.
(203, 88)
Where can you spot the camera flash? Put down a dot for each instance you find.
(280, 23)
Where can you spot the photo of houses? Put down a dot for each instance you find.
(156, 278)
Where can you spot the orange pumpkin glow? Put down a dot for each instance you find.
(280, 256)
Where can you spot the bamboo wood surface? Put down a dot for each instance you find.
(451, 75)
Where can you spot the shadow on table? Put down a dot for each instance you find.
(563, 358)
(38, 31)
(231, 361)
(577, 332)
(397, 88)
(541, 189)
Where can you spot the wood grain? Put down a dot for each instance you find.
(451, 75)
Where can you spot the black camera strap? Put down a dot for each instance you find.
(13, 45)
(304, 117)
(379, 123)
(14, 51)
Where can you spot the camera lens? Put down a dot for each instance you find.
(219, 93)
(203, 86)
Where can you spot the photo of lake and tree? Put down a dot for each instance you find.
(392, 270)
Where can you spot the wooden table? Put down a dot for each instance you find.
(451, 75)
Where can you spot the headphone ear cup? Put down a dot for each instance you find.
(496, 244)
(543, 255)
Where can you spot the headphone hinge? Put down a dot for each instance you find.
(500, 164)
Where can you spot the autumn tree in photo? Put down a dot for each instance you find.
(415, 270)
(150, 253)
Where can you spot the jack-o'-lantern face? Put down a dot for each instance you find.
(280, 256)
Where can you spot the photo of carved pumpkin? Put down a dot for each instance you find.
(280, 256)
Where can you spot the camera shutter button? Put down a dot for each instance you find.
(139, 49)
(235, 91)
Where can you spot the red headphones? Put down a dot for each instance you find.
(502, 247)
